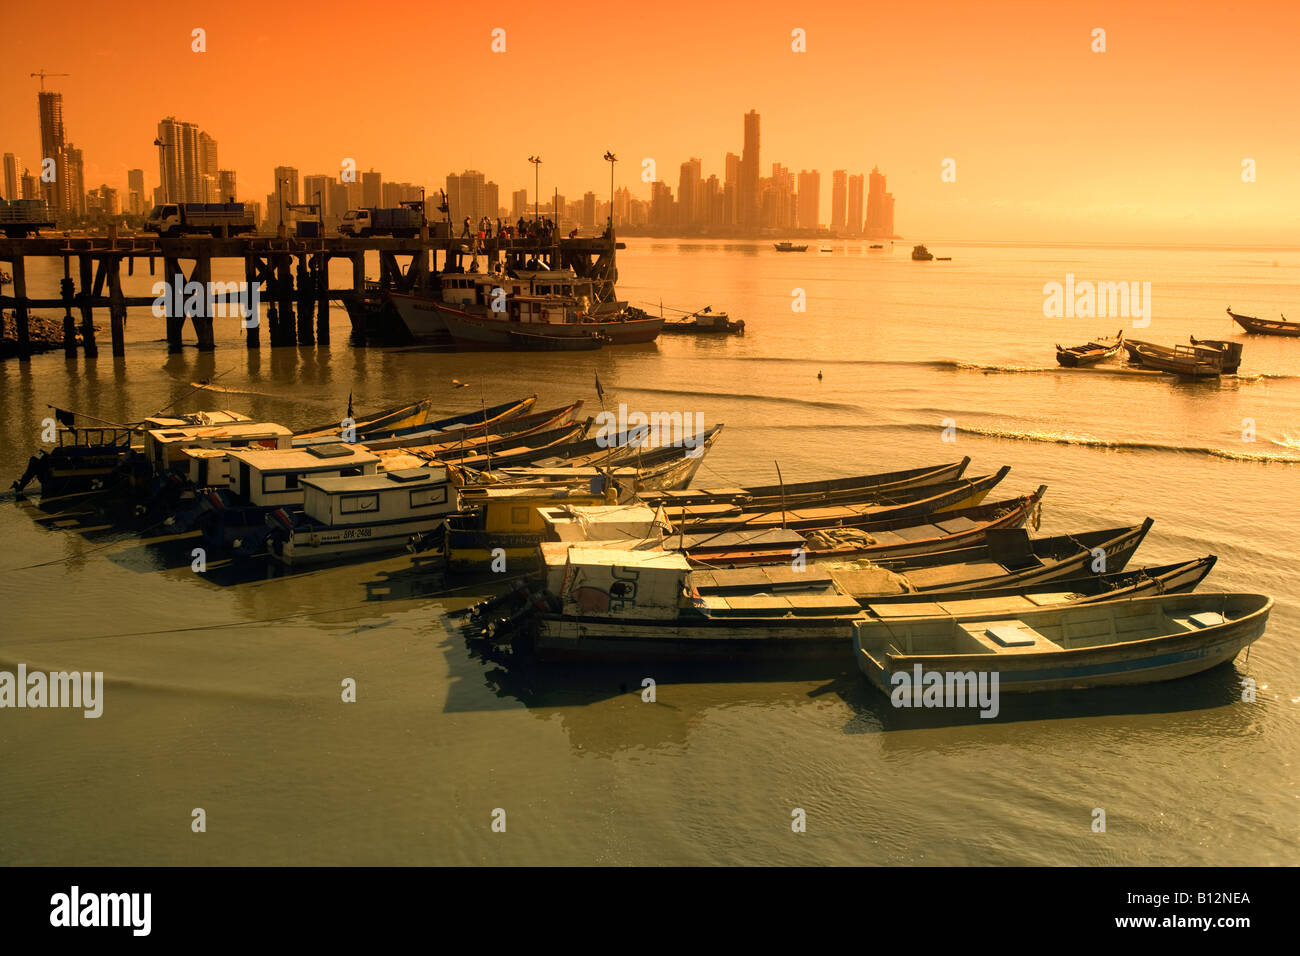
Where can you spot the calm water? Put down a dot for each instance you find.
(227, 696)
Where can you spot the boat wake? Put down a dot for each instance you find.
(695, 395)
(1092, 441)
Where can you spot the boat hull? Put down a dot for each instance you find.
(1254, 326)
(311, 545)
(479, 332)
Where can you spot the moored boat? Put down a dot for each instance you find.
(921, 254)
(787, 246)
(1256, 326)
(1106, 643)
(1229, 353)
(1090, 353)
(1188, 361)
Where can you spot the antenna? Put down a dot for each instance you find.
(42, 74)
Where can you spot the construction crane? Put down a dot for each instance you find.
(42, 74)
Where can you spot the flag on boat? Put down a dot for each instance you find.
(349, 404)
(65, 418)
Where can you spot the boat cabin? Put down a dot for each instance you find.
(164, 445)
(609, 582)
(389, 496)
(273, 479)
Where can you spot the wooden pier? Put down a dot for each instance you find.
(291, 273)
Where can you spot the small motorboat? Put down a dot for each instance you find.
(921, 254)
(1091, 353)
(705, 322)
(1135, 641)
(788, 246)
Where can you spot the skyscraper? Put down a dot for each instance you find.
(731, 190)
(372, 189)
(316, 189)
(74, 174)
(226, 191)
(50, 107)
(135, 192)
(880, 207)
(810, 195)
(853, 225)
(518, 204)
(839, 200)
(179, 166)
(13, 172)
(688, 191)
(747, 194)
(467, 196)
(208, 184)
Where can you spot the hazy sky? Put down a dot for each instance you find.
(1143, 142)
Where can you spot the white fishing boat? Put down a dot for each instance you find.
(1082, 645)
(346, 518)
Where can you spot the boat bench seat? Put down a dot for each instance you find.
(1009, 637)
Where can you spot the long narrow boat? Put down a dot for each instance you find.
(1188, 361)
(1090, 354)
(469, 440)
(392, 425)
(886, 540)
(478, 453)
(375, 425)
(604, 451)
(1229, 352)
(909, 503)
(1107, 643)
(1256, 326)
(612, 604)
(824, 491)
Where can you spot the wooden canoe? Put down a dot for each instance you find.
(1091, 353)
(909, 503)
(1256, 326)
(409, 420)
(474, 435)
(1135, 641)
(825, 491)
(1188, 361)
(885, 540)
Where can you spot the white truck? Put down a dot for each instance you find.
(189, 218)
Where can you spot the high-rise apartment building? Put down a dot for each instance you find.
(880, 207)
(747, 196)
(13, 176)
(688, 192)
(180, 168)
(810, 194)
(226, 186)
(372, 189)
(839, 200)
(316, 189)
(135, 198)
(853, 223)
(73, 173)
(50, 107)
(518, 204)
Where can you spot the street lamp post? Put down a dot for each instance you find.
(537, 194)
(611, 159)
(162, 163)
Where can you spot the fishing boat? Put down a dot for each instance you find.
(481, 452)
(627, 447)
(1188, 361)
(822, 491)
(906, 503)
(263, 481)
(921, 254)
(98, 459)
(529, 341)
(825, 249)
(494, 431)
(480, 310)
(376, 425)
(1256, 326)
(345, 518)
(875, 246)
(788, 246)
(1107, 643)
(371, 430)
(705, 322)
(1229, 353)
(1091, 353)
(879, 541)
(502, 523)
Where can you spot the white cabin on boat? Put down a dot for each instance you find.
(610, 582)
(363, 514)
(207, 419)
(468, 289)
(165, 446)
(273, 479)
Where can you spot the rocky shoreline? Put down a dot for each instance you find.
(45, 334)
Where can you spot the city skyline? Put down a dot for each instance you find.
(1048, 140)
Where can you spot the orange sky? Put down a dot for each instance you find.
(1053, 142)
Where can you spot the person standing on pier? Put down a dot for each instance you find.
(465, 229)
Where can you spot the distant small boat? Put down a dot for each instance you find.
(921, 254)
(1091, 353)
(1256, 326)
(705, 322)
(1136, 641)
(943, 258)
(790, 247)
(876, 246)
(827, 249)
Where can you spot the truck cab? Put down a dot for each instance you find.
(356, 222)
(164, 220)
